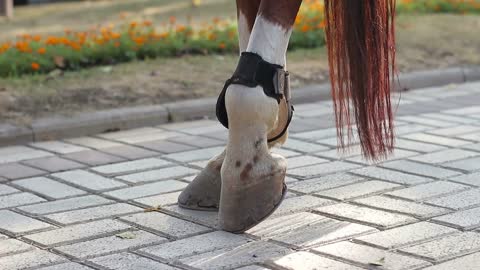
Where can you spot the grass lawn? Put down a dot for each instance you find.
(424, 42)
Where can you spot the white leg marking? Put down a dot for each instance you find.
(243, 32)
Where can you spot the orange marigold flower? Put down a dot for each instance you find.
(35, 66)
(42, 50)
(181, 28)
(305, 28)
(147, 23)
(173, 19)
(116, 44)
(222, 45)
(133, 24)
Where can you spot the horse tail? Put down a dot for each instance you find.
(361, 53)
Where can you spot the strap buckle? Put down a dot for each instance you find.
(281, 83)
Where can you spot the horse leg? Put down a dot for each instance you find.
(253, 178)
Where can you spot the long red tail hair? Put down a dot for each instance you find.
(361, 52)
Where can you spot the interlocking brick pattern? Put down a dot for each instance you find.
(110, 201)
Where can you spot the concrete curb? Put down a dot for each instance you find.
(89, 123)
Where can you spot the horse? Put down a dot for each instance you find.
(245, 183)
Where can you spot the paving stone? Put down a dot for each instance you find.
(19, 153)
(418, 146)
(436, 139)
(469, 179)
(166, 147)
(58, 147)
(93, 158)
(301, 161)
(5, 190)
(139, 135)
(17, 199)
(193, 155)
(252, 267)
(368, 256)
(300, 203)
(469, 262)
(159, 174)
(471, 137)
(428, 190)
(305, 147)
(16, 223)
(130, 152)
(447, 247)
(128, 261)
(10, 246)
(391, 176)
(78, 232)
(415, 209)
(197, 141)
(470, 165)
(455, 131)
(358, 190)
(2, 179)
(28, 260)
(166, 224)
(16, 171)
(65, 205)
(93, 213)
(160, 200)
(412, 128)
(466, 219)
(207, 218)
(147, 190)
(473, 147)
(444, 156)
(284, 152)
(98, 247)
(325, 183)
(131, 166)
(397, 154)
(373, 217)
(242, 255)
(450, 118)
(307, 229)
(88, 180)
(418, 168)
(219, 135)
(406, 235)
(67, 266)
(307, 261)
(196, 245)
(464, 111)
(339, 154)
(321, 169)
(316, 134)
(92, 142)
(48, 187)
(425, 121)
(53, 164)
(459, 200)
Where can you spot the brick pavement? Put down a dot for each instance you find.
(109, 201)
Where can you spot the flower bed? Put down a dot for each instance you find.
(439, 6)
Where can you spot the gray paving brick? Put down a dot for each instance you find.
(130, 152)
(418, 168)
(428, 190)
(397, 154)
(307, 261)
(339, 154)
(166, 147)
(391, 176)
(406, 235)
(67, 266)
(19, 199)
(253, 267)
(197, 141)
(367, 256)
(413, 128)
(425, 121)
(305, 147)
(196, 245)
(445, 156)
(284, 152)
(300, 203)
(93, 213)
(242, 255)
(447, 247)
(19, 153)
(459, 200)
(92, 142)
(88, 180)
(203, 217)
(324, 183)
(17, 170)
(16, 223)
(5, 190)
(455, 131)
(470, 165)
(298, 229)
(464, 111)
(471, 137)
(166, 224)
(65, 205)
(160, 200)
(78, 232)
(147, 190)
(321, 169)
(358, 190)
(138, 135)
(58, 147)
(131, 166)
(316, 134)
(193, 155)
(160, 174)
(48, 187)
(473, 147)
(53, 164)
(436, 139)
(301, 161)
(469, 262)
(94, 158)
(101, 246)
(405, 207)
(417, 146)
(450, 118)
(469, 179)
(128, 261)
(30, 259)
(9, 246)
(373, 217)
(466, 219)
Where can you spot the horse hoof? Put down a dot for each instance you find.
(203, 193)
(243, 207)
